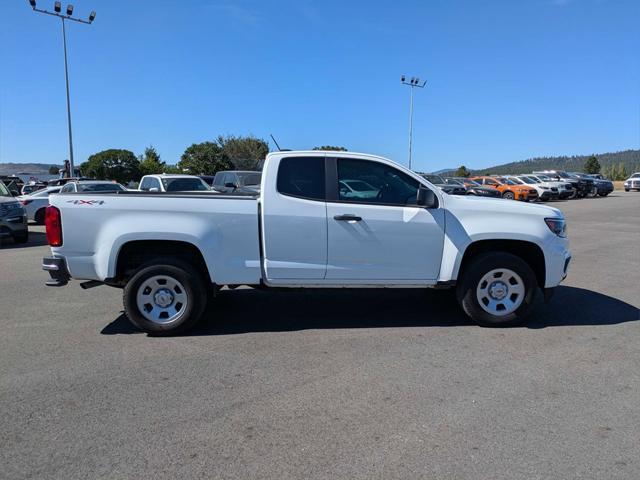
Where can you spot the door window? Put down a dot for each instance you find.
(302, 177)
(364, 181)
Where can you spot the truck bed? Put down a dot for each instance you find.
(223, 227)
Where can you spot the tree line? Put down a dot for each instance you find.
(224, 153)
(206, 158)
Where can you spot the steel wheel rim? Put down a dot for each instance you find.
(161, 299)
(500, 292)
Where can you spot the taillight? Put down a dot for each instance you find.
(25, 202)
(53, 224)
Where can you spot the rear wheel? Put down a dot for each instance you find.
(497, 290)
(39, 216)
(508, 195)
(165, 299)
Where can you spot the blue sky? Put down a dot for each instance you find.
(507, 80)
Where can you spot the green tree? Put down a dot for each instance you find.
(622, 172)
(592, 165)
(54, 169)
(114, 164)
(246, 153)
(150, 162)
(331, 148)
(462, 172)
(204, 158)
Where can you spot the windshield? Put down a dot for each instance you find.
(4, 191)
(250, 178)
(453, 181)
(635, 175)
(544, 178)
(563, 175)
(528, 180)
(472, 183)
(516, 180)
(184, 184)
(434, 178)
(506, 181)
(100, 187)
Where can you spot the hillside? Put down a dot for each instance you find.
(629, 158)
(31, 168)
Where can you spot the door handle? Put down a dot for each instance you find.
(347, 218)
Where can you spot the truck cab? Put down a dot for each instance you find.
(170, 251)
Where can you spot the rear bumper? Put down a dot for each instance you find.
(58, 272)
(13, 225)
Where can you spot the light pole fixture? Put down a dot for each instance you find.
(414, 82)
(57, 7)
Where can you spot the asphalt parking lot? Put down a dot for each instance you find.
(346, 384)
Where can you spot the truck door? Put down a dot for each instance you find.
(295, 220)
(375, 229)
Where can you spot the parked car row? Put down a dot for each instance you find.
(13, 219)
(543, 185)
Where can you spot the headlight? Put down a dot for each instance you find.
(544, 188)
(557, 226)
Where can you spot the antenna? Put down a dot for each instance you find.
(274, 141)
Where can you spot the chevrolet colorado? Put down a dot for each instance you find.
(170, 252)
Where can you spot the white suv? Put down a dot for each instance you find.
(632, 183)
(565, 189)
(172, 183)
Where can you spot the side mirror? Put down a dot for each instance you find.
(154, 189)
(230, 185)
(426, 198)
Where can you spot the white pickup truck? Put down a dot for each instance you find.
(171, 251)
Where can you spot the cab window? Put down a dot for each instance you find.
(302, 177)
(366, 181)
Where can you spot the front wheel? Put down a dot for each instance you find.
(592, 193)
(508, 195)
(165, 299)
(497, 289)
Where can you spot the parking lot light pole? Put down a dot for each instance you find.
(414, 82)
(57, 7)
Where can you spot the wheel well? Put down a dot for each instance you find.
(527, 251)
(132, 255)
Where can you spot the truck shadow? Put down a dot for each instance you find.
(36, 239)
(248, 310)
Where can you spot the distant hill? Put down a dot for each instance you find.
(629, 158)
(29, 168)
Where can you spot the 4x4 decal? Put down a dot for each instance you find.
(86, 202)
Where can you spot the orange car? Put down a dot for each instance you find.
(508, 188)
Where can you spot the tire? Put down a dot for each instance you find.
(39, 216)
(626, 189)
(502, 268)
(508, 195)
(173, 288)
(593, 193)
(21, 237)
(604, 194)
